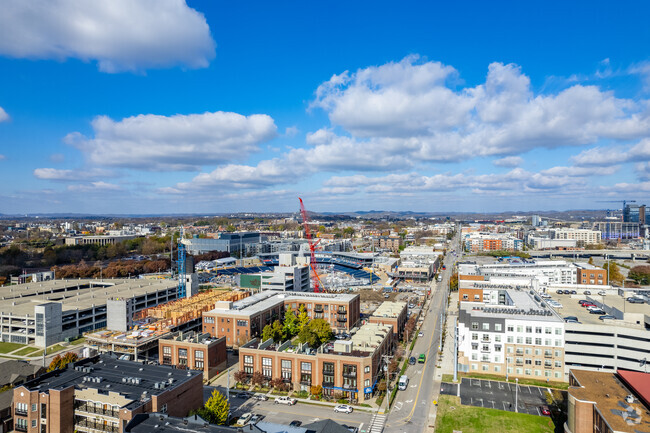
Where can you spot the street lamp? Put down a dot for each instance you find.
(516, 394)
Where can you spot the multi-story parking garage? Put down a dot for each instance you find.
(47, 312)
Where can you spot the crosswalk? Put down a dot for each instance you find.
(377, 423)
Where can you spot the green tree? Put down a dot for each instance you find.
(274, 331)
(640, 275)
(591, 261)
(615, 275)
(290, 324)
(303, 318)
(348, 232)
(216, 409)
(317, 332)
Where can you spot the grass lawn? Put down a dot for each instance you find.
(9, 347)
(532, 382)
(55, 348)
(27, 351)
(468, 419)
(79, 340)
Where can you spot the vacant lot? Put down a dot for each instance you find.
(452, 416)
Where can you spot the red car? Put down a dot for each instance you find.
(588, 305)
(545, 410)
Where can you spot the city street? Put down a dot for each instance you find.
(410, 411)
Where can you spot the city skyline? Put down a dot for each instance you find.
(124, 108)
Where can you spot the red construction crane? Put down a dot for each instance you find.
(318, 285)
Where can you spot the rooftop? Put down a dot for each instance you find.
(521, 306)
(610, 395)
(115, 379)
(612, 303)
(19, 300)
(389, 309)
(269, 299)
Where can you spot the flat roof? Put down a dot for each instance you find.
(19, 300)
(609, 393)
(389, 309)
(523, 307)
(269, 299)
(111, 372)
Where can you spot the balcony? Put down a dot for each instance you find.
(548, 355)
(519, 363)
(548, 366)
(485, 340)
(97, 410)
(20, 428)
(485, 350)
(342, 312)
(519, 352)
(90, 426)
(20, 412)
(342, 319)
(318, 309)
(350, 375)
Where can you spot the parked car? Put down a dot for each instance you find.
(256, 418)
(352, 429)
(285, 400)
(570, 318)
(260, 397)
(574, 292)
(602, 293)
(586, 292)
(560, 292)
(584, 301)
(596, 311)
(588, 305)
(245, 395)
(545, 296)
(545, 410)
(606, 316)
(344, 408)
(422, 358)
(412, 360)
(633, 300)
(420, 334)
(295, 423)
(245, 418)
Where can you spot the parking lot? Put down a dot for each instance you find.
(498, 395)
(284, 414)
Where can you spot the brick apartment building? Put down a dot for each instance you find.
(391, 243)
(243, 320)
(391, 313)
(349, 367)
(102, 394)
(590, 274)
(194, 352)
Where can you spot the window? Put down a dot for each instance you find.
(305, 366)
(519, 370)
(557, 353)
(497, 338)
(21, 408)
(529, 340)
(538, 372)
(208, 319)
(474, 357)
(198, 364)
(510, 339)
(266, 368)
(538, 362)
(474, 325)
(198, 354)
(286, 369)
(520, 340)
(509, 349)
(557, 374)
(547, 373)
(486, 348)
(548, 342)
(33, 423)
(34, 407)
(242, 322)
(509, 370)
(474, 336)
(497, 348)
(474, 366)
(528, 361)
(497, 368)
(558, 331)
(486, 326)
(558, 342)
(43, 410)
(163, 409)
(558, 364)
(538, 330)
(529, 329)
(538, 341)
(497, 327)
(547, 330)
(182, 356)
(366, 369)
(485, 367)
(538, 352)
(511, 328)
(528, 371)
(520, 328)
(248, 364)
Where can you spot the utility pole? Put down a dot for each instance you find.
(441, 325)
(455, 352)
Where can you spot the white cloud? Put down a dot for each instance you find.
(179, 142)
(291, 131)
(580, 171)
(509, 161)
(605, 156)
(70, 175)
(643, 70)
(3, 115)
(410, 109)
(2, 157)
(121, 35)
(98, 186)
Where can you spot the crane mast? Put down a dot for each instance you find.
(318, 285)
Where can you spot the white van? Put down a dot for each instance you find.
(403, 382)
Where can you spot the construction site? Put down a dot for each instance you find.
(161, 321)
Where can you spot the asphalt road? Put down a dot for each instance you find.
(284, 414)
(410, 411)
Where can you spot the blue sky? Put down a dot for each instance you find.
(154, 106)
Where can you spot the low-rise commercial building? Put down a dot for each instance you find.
(242, 320)
(392, 243)
(100, 240)
(590, 274)
(102, 394)
(581, 236)
(189, 350)
(350, 368)
(604, 402)
(227, 242)
(478, 242)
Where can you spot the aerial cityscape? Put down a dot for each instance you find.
(324, 217)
